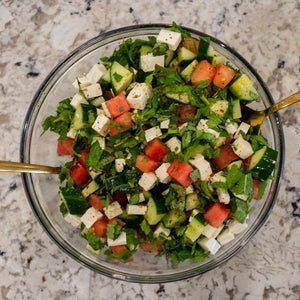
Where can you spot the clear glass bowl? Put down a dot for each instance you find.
(42, 190)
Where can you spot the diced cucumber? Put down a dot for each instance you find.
(173, 218)
(180, 97)
(132, 221)
(97, 101)
(84, 116)
(105, 81)
(219, 141)
(192, 201)
(188, 71)
(195, 228)
(92, 187)
(237, 163)
(243, 88)
(217, 59)
(90, 248)
(205, 50)
(220, 107)
(244, 187)
(263, 163)
(185, 56)
(145, 50)
(168, 56)
(120, 77)
(236, 109)
(199, 149)
(156, 210)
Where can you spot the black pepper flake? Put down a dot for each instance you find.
(280, 64)
(296, 208)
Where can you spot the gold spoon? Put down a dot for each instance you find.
(255, 118)
(250, 116)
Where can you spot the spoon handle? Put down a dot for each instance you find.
(17, 167)
(282, 104)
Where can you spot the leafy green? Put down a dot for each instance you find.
(113, 230)
(233, 176)
(195, 175)
(239, 208)
(94, 241)
(145, 227)
(122, 256)
(177, 28)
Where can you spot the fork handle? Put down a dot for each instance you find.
(283, 103)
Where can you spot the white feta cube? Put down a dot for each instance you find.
(96, 73)
(100, 124)
(223, 195)
(189, 189)
(244, 127)
(92, 91)
(106, 111)
(77, 99)
(147, 181)
(141, 197)
(183, 126)
(172, 38)
(94, 174)
(120, 240)
(218, 230)
(160, 228)
(203, 126)
(161, 173)
(100, 140)
(74, 220)
(133, 209)
(231, 127)
(165, 124)
(209, 244)
(113, 210)
(90, 217)
(82, 81)
(236, 227)
(100, 111)
(174, 144)
(139, 96)
(72, 133)
(225, 237)
(209, 231)
(218, 177)
(242, 148)
(203, 166)
(149, 61)
(152, 133)
(241, 196)
(119, 164)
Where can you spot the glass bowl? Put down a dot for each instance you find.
(42, 190)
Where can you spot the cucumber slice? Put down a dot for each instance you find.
(188, 71)
(205, 50)
(185, 56)
(180, 97)
(105, 81)
(120, 77)
(168, 56)
(132, 221)
(217, 59)
(191, 201)
(237, 163)
(199, 149)
(263, 163)
(92, 187)
(220, 141)
(156, 210)
(97, 101)
(220, 107)
(174, 218)
(145, 50)
(243, 88)
(236, 109)
(195, 228)
(85, 115)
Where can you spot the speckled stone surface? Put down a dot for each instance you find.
(36, 35)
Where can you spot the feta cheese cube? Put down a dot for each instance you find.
(223, 195)
(231, 127)
(72, 133)
(142, 197)
(106, 111)
(209, 244)
(149, 61)
(225, 237)
(241, 196)
(203, 126)
(139, 96)
(161, 173)
(203, 166)
(119, 164)
(120, 240)
(152, 133)
(96, 73)
(90, 217)
(165, 124)
(77, 99)
(189, 189)
(244, 127)
(100, 124)
(94, 174)
(100, 140)
(174, 144)
(218, 177)
(183, 126)
(100, 111)
(147, 181)
(160, 228)
(113, 210)
(82, 81)
(92, 91)
(236, 227)
(74, 220)
(209, 231)
(218, 230)
(172, 38)
(242, 148)
(133, 209)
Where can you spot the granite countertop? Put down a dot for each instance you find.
(36, 35)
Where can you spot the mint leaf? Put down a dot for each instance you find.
(117, 77)
(94, 241)
(195, 175)
(145, 227)
(113, 230)
(233, 176)
(240, 209)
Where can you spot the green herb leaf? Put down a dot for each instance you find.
(145, 227)
(195, 175)
(113, 230)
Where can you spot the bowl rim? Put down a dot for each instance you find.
(167, 277)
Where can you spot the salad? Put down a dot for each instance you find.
(160, 158)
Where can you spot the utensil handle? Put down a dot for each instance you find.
(283, 103)
(17, 167)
